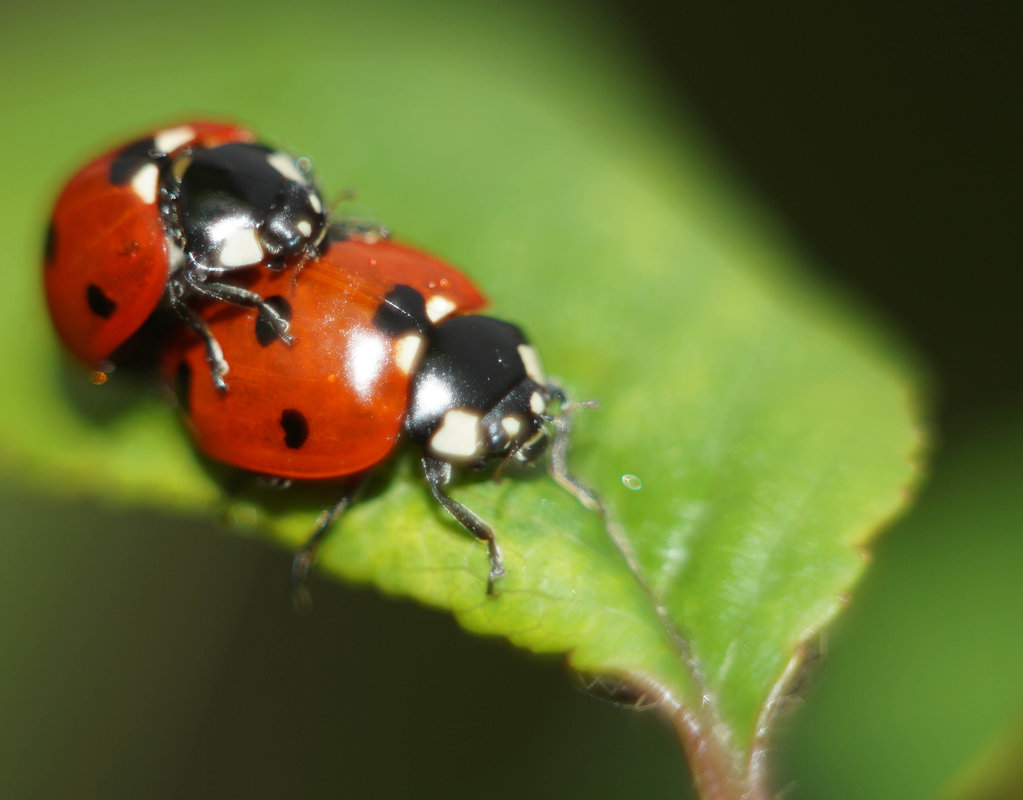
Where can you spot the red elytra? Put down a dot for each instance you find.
(332, 403)
(107, 261)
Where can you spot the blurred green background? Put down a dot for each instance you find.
(156, 657)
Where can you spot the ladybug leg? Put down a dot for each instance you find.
(557, 454)
(214, 353)
(274, 482)
(304, 558)
(235, 295)
(557, 468)
(361, 230)
(350, 226)
(438, 475)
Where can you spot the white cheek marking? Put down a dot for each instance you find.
(438, 307)
(511, 426)
(314, 201)
(531, 361)
(241, 249)
(169, 140)
(305, 228)
(537, 404)
(284, 164)
(407, 350)
(458, 435)
(143, 183)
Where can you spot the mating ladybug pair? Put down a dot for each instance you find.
(309, 351)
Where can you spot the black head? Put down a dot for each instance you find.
(479, 393)
(239, 205)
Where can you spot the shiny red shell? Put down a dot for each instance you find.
(333, 403)
(107, 262)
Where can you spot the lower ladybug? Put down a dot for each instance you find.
(167, 217)
(386, 347)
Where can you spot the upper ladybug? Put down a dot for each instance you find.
(167, 217)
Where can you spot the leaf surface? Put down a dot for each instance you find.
(753, 432)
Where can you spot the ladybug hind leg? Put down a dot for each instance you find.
(438, 475)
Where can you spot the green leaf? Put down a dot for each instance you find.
(765, 432)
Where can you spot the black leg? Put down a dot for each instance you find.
(214, 354)
(226, 293)
(438, 475)
(305, 556)
(273, 482)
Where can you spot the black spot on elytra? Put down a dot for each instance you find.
(403, 309)
(130, 159)
(265, 333)
(99, 303)
(50, 245)
(296, 429)
(183, 387)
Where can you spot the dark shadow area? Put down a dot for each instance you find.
(134, 380)
(887, 136)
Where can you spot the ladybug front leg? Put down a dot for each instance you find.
(557, 468)
(214, 353)
(557, 454)
(235, 295)
(359, 230)
(438, 475)
(349, 226)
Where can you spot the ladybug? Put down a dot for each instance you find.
(386, 347)
(166, 218)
